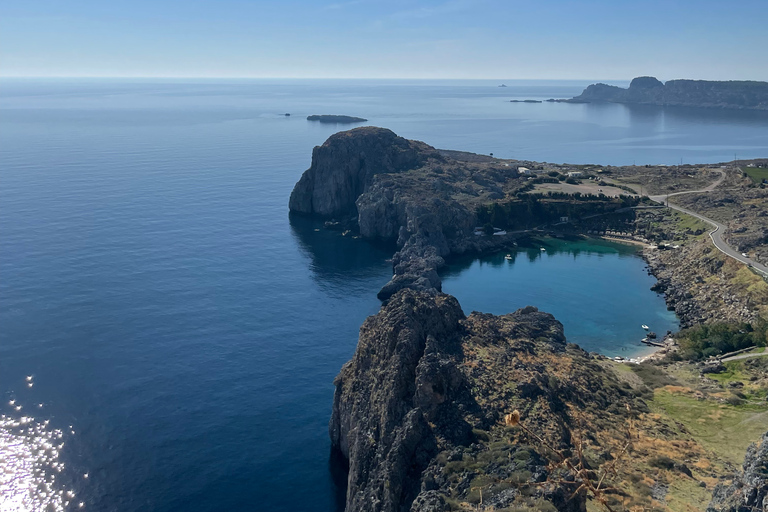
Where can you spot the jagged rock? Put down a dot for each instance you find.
(344, 166)
(749, 490)
(430, 501)
(383, 393)
(362, 173)
(426, 389)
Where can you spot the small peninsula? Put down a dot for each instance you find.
(442, 411)
(647, 90)
(334, 119)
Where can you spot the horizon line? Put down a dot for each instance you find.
(232, 77)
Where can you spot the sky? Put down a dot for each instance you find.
(457, 39)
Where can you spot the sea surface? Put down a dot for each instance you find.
(168, 338)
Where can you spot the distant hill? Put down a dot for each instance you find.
(746, 95)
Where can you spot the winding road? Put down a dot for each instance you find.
(716, 234)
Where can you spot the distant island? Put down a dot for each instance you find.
(647, 90)
(336, 119)
(525, 101)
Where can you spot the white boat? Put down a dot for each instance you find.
(543, 249)
(645, 327)
(508, 257)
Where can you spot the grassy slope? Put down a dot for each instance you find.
(757, 174)
(700, 428)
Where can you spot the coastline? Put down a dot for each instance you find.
(421, 409)
(633, 351)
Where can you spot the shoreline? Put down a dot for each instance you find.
(644, 352)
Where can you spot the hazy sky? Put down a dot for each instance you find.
(608, 39)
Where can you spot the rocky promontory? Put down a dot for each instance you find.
(439, 411)
(647, 90)
(391, 188)
(426, 393)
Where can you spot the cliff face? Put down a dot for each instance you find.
(749, 490)
(425, 393)
(344, 167)
(405, 191)
(688, 93)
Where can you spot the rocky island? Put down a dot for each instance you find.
(334, 119)
(439, 410)
(647, 90)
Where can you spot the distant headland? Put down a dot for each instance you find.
(647, 90)
(336, 119)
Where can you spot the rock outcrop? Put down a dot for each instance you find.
(344, 167)
(749, 490)
(404, 191)
(687, 93)
(417, 410)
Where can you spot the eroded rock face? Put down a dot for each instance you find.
(417, 410)
(402, 373)
(373, 178)
(344, 166)
(749, 491)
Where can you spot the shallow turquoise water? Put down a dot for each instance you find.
(598, 290)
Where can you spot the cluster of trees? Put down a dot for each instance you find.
(531, 210)
(703, 341)
(624, 200)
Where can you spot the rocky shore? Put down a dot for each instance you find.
(419, 410)
(391, 188)
(696, 283)
(440, 411)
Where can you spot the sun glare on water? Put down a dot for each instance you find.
(30, 467)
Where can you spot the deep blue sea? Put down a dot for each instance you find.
(168, 339)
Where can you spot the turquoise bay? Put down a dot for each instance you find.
(598, 290)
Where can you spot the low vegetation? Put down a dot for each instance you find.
(707, 340)
(757, 174)
(531, 210)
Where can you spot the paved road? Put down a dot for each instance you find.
(746, 356)
(716, 234)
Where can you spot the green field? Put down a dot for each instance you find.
(757, 174)
(725, 429)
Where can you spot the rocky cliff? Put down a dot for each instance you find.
(749, 490)
(405, 191)
(344, 167)
(419, 413)
(688, 93)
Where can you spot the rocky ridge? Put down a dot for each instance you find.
(749, 490)
(428, 386)
(648, 90)
(374, 181)
(421, 414)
